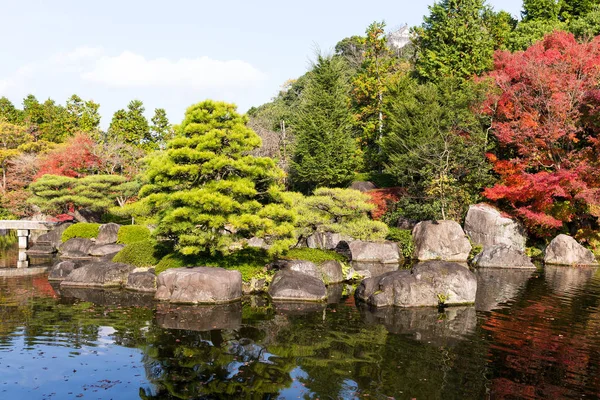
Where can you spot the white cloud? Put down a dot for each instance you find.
(129, 69)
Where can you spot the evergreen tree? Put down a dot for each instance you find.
(82, 116)
(541, 9)
(325, 150)
(454, 41)
(161, 130)
(9, 112)
(208, 194)
(131, 126)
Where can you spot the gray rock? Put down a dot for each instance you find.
(370, 252)
(440, 240)
(372, 269)
(502, 256)
(363, 186)
(199, 318)
(61, 270)
(303, 267)
(288, 285)
(564, 250)
(331, 272)
(425, 324)
(108, 233)
(142, 281)
(256, 285)
(99, 274)
(427, 284)
(325, 240)
(76, 248)
(54, 237)
(199, 285)
(487, 226)
(105, 249)
(41, 248)
(258, 243)
(498, 285)
(406, 223)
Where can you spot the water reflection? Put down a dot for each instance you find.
(564, 280)
(496, 286)
(199, 318)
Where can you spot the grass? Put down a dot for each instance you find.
(81, 230)
(133, 233)
(316, 256)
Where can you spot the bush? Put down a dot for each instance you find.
(139, 254)
(316, 256)
(404, 238)
(132, 234)
(250, 262)
(81, 230)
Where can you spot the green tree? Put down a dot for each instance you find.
(131, 126)
(454, 41)
(82, 116)
(588, 25)
(528, 32)
(161, 131)
(325, 151)
(541, 9)
(437, 145)
(9, 112)
(500, 25)
(208, 193)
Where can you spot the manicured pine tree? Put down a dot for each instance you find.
(324, 154)
(208, 194)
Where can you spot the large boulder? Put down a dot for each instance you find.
(502, 256)
(440, 240)
(105, 249)
(99, 274)
(199, 285)
(331, 272)
(53, 237)
(76, 248)
(107, 234)
(288, 285)
(325, 240)
(363, 186)
(427, 284)
(41, 248)
(370, 252)
(564, 250)
(61, 270)
(487, 226)
(142, 281)
(301, 266)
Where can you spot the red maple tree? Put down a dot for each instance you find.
(545, 118)
(75, 158)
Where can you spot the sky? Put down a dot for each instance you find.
(172, 54)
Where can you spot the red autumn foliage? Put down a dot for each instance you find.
(545, 118)
(383, 199)
(75, 158)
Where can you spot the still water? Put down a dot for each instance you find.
(531, 335)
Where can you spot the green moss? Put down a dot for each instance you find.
(475, 249)
(404, 238)
(81, 230)
(140, 254)
(133, 233)
(534, 253)
(316, 256)
(250, 262)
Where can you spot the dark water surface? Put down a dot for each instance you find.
(531, 335)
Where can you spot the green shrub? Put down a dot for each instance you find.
(534, 253)
(475, 249)
(251, 262)
(404, 239)
(316, 256)
(140, 254)
(132, 234)
(81, 230)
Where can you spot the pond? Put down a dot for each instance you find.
(531, 335)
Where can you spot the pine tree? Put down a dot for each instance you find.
(325, 150)
(208, 194)
(131, 126)
(161, 130)
(454, 41)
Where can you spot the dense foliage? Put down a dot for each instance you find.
(139, 254)
(83, 230)
(129, 234)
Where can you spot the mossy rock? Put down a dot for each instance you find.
(84, 230)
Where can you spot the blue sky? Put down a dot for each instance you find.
(176, 53)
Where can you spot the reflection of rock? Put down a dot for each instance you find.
(108, 297)
(292, 308)
(440, 240)
(199, 318)
(372, 270)
(486, 226)
(502, 256)
(288, 285)
(335, 293)
(564, 250)
(424, 324)
(565, 279)
(427, 284)
(99, 274)
(496, 286)
(199, 285)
